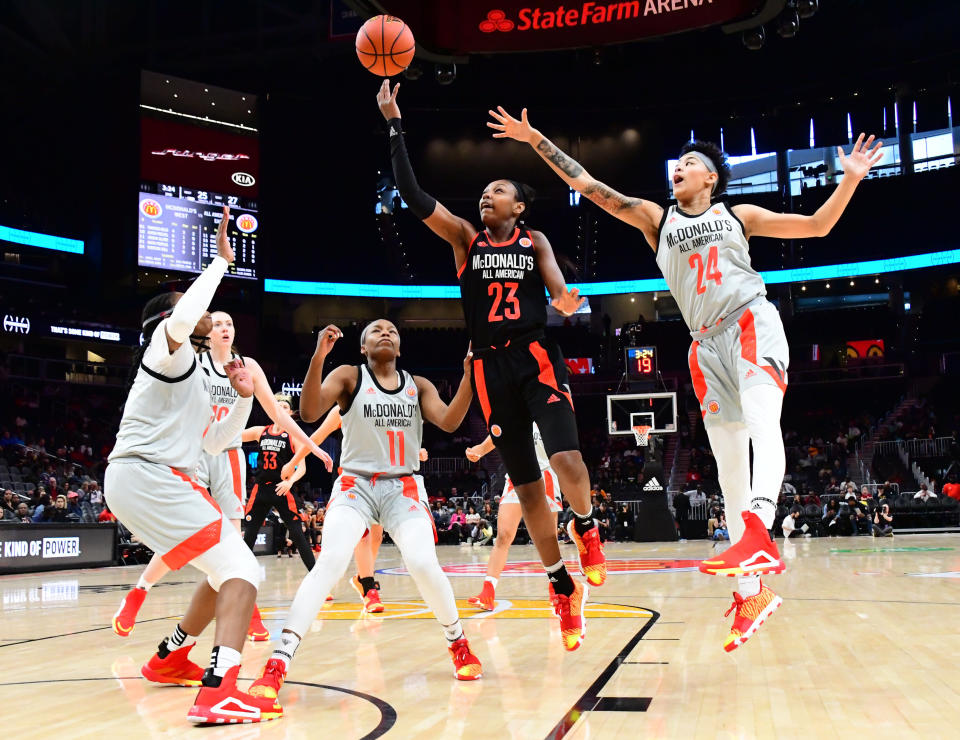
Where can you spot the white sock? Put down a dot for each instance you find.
(179, 638)
(491, 580)
(222, 659)
(141, 583)
(452, 632)
(555, 567)
(289, 642)
(748, 585)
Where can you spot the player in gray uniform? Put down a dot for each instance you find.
(382, 412)
(149, 485)
(739, 355)
(224, 475)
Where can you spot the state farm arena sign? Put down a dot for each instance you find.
(505, 25)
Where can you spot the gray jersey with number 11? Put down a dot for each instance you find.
(705, 260)
(382, 429)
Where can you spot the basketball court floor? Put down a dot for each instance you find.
(866, 642)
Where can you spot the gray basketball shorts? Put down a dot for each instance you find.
(385, 501)
(751, 351)
(225, 476)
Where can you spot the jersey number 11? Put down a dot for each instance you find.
(398, 436)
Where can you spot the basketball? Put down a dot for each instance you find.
(385, 45)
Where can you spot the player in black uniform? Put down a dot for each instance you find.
(519, 376)
(270, 490)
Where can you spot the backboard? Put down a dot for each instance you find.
(624, 411)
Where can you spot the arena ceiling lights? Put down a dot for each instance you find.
(618, 287)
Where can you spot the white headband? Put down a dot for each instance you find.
(708, 163)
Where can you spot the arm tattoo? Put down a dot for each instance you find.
(565, 164)
(608, 199)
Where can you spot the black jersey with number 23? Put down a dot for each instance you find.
(502, 290)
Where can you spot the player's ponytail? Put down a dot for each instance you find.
(525, 195)
(156, 310)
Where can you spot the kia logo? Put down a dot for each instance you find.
(243, 179)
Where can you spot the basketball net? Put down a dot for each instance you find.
(642, 435)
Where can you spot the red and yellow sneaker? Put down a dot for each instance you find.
(466, 665)
(176, 668)
(572, 613)
(329, 597)
(226, 704)
(751, 613)
(593, 564)
(754, 554)
(257, 631)
(485, 599)
(371, 599)
(126, 617)
(271, 680)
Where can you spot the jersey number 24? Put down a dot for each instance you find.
(712, 271)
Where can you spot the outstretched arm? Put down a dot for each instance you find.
(637, 212)
(565, 301)
(264, 394)
(478, 451)
(447, 417)
(251, 434)
(330, 424)
(458, 232)
(759, 221)
(315, 395)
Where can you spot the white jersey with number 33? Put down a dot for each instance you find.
(705, 260)
(382, 429)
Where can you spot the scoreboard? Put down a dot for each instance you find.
(641, 363)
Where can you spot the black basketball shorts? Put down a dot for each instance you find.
(525, 382)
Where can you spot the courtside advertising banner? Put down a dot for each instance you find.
(26, 548)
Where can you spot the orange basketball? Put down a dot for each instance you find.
(385, 45)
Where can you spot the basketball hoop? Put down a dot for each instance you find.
(642, 435)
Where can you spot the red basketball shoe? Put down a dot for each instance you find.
(486, 598)
(126, 617)
(257, 631)
(371, 599)
(176, 668)
(593, 564)
(271, 680)
(751, 613)
(466, 665)
(572, 613)
(226, 704)
(754, 554)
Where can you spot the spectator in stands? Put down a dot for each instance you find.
(106, 516)
(488, 513)
(696, 495)
(484, 533)
(681, 508)
(57, 512)
(41, 506)
(789, 524)
(883, 521)
(472, 519)
(624, 524)
(924, 494)
(720, 531)
(95, 493)
(831, 516)
(603, 522)
(458, 523)
(73, 505)
(23, 513)
(10, 501)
